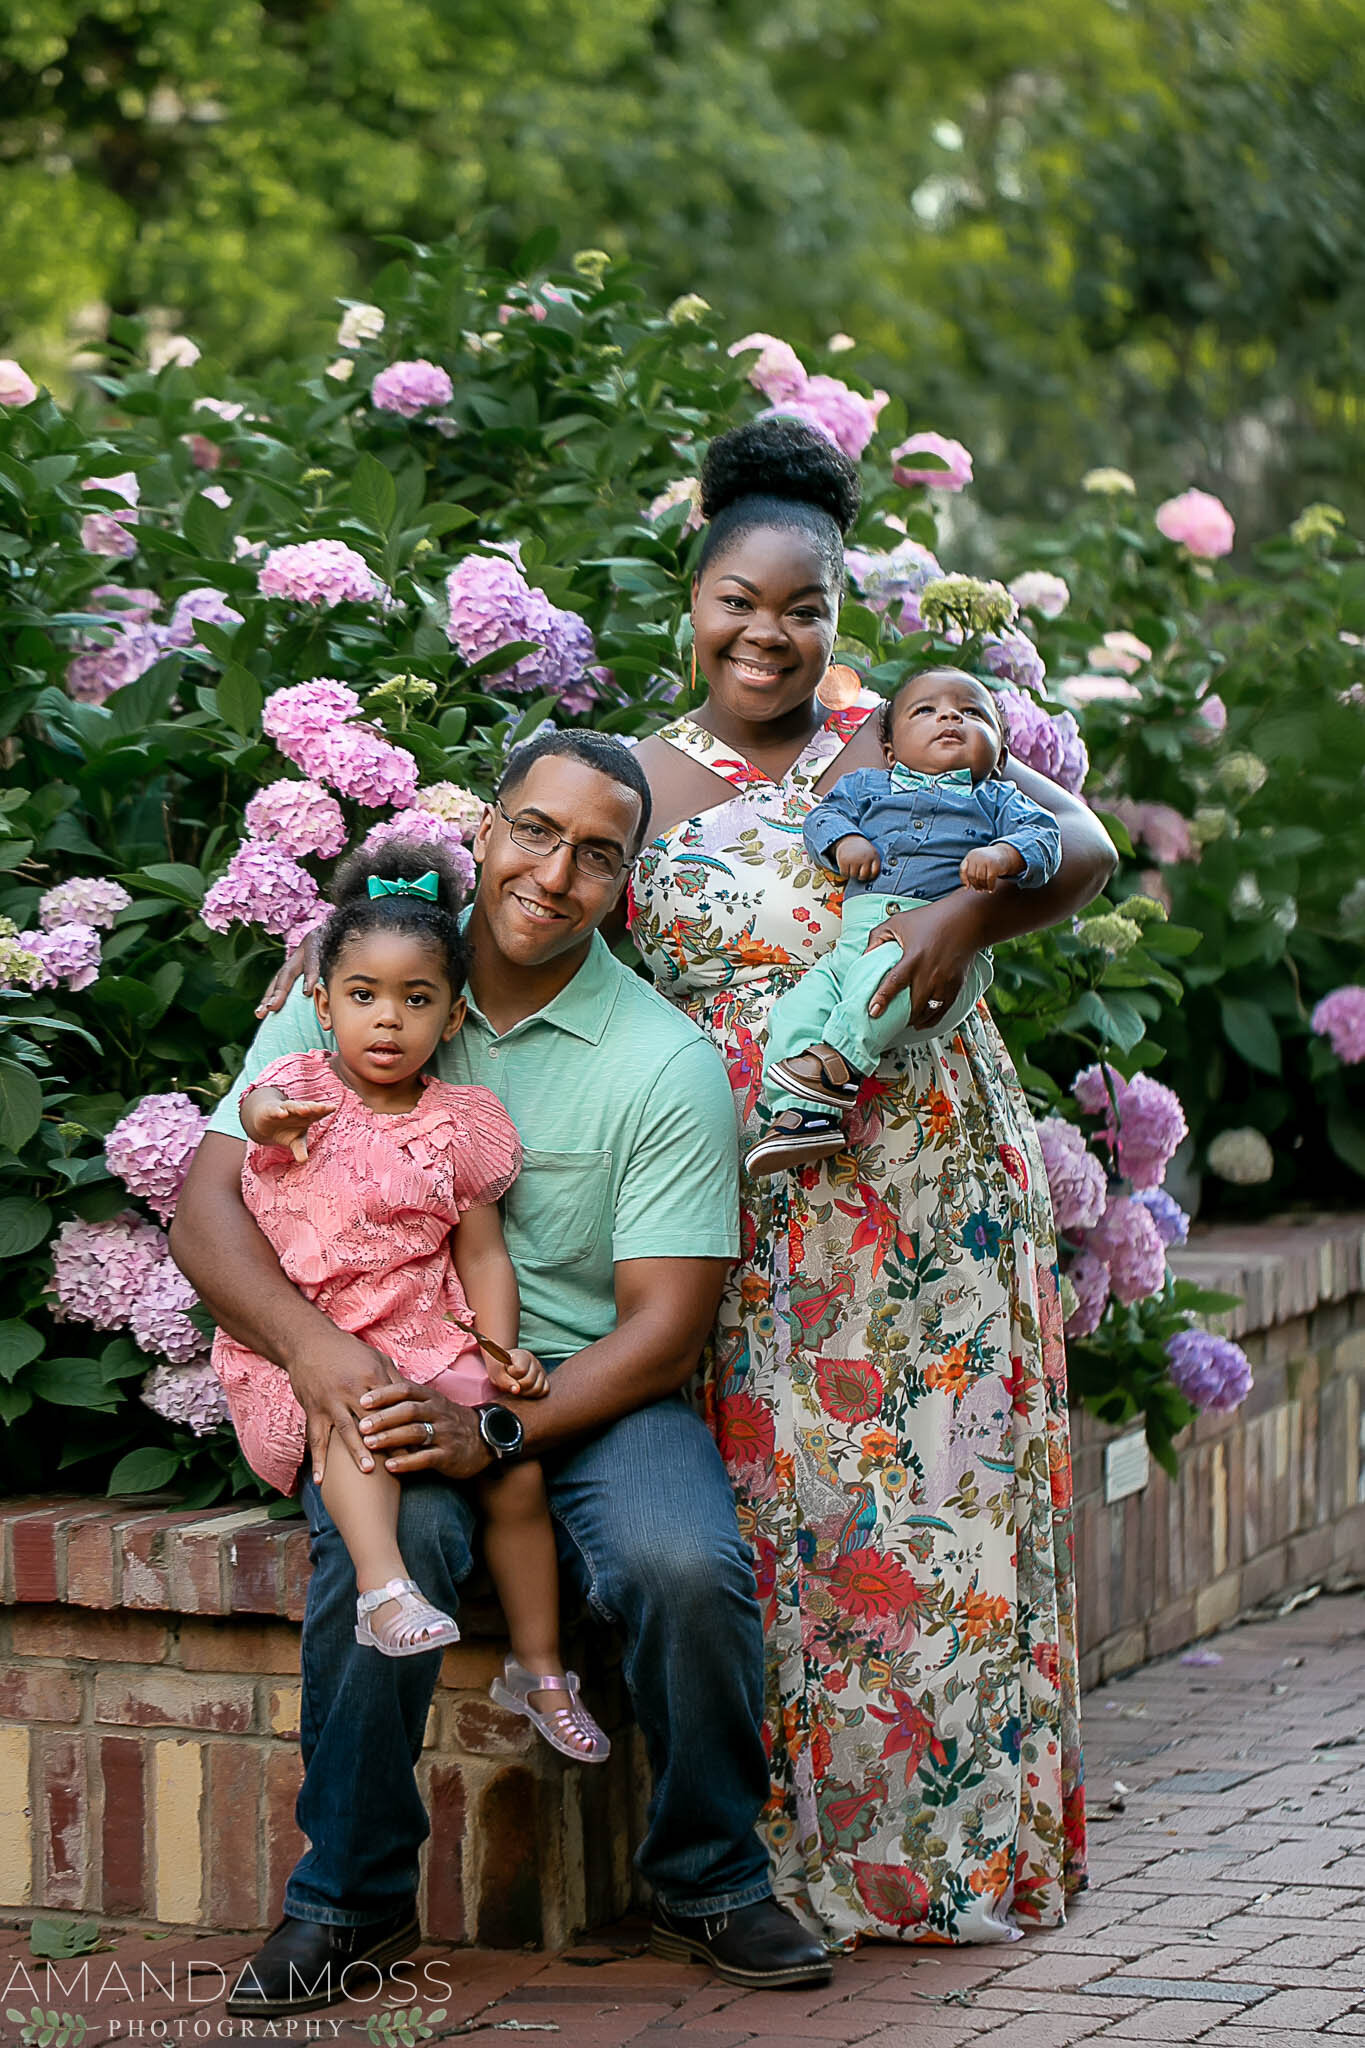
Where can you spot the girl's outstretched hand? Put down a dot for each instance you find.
(303, 960)
(523, 1375)
(288, 1123)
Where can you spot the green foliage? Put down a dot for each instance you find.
(560, 432)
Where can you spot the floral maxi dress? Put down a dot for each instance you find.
(887, 1385)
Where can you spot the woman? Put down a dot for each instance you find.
(887, 1379)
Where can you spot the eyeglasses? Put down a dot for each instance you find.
(593, 862)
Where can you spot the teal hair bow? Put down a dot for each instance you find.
(425, 885)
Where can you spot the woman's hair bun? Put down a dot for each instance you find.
(400, 860)
(780, 457)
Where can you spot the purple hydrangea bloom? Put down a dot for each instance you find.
(95, 675)
(1038, 590)
(1074, 1175)
(99, 1269)
(260, 885)
(319, 572)
(85, 899)
(204, 603)
(296, 718)
(188, 1394)
(69, 953)
(151, 1148)
(1128, 1242)
(1052, 745)
(1340, 1016)
(1089, 1277)
(160, 1315)
(492, 604)
(955, 477)
(897, 577)
(1212, 1372)
(1013, 658)
(359, 763)
(1167, 1214)
(130, 607)
(410, 388)
(1151, 1122)
(424, 828)
(300, 817)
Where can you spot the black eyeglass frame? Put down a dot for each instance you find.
(575, 846)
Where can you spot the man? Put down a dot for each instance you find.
(621, 1226)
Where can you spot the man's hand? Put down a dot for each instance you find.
(984, 866)
(938, 943)
(330, 1385)
(857, 858)
(303, 960)
(280, 1122)
(394, 1422)
(524, 1375)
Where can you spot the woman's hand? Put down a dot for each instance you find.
(938, 943)
(415, 1429)
(303, 960)
(523, 1375)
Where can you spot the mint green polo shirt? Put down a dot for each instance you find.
(628, 1131)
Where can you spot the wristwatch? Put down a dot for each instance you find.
(500, 1430)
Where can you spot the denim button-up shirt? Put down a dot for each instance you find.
(923, 833)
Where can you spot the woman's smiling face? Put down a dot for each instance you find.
(764, 616)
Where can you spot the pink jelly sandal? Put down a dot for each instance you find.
(561, 1724)
(414, 1628)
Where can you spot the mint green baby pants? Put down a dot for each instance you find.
(829, 1003)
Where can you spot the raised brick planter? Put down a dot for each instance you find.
(149, 1704)
(1269, 1498)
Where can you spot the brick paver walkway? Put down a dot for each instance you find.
(1227, 1904)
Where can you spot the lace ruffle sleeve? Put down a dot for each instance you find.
(485, 1151)
(304, 1076)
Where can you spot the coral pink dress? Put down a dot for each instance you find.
(363, 1228)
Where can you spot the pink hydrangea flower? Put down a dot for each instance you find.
(410, 388)
(150, 1149)
(204, 603)
(160, 1316)
(221, 408)
(1119, 654)
(1213, 713)
(361, 764)
(1150, 1125)
(300, 817)
(260, 885)
(16, 386)
(1158, 827)
(105, 533)
(99, 1269)
(1074, 1175)
(492, 604)
(1340, 1016)
(841, 414)
(85, 899)
(189, 1394)
(1198, 521)
(424, 828)
(129, 607)
(297, 717)
(1211, 1372)
(1087, 689)
(324, 572)
(1089, 1277)
(955, 477)
(457, 806)
(1050, 743)
(204, 454)
(685, 491)
(779, 372)
(1038, 590)
(69, 953)
(1128, 1242)
(94, 676)
(1013, 657)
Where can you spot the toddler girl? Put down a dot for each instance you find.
(378, 1187)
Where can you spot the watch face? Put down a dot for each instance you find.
(501, 1429)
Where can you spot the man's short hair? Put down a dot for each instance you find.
(597, 750)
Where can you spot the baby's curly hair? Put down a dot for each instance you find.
(435, 924)
(778, 472)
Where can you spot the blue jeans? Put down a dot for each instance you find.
(648, 1535)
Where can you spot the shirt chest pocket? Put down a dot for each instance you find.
(557, 1204)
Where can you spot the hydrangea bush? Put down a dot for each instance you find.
(249, 624)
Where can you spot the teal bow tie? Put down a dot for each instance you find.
(425, 885)
(915, 778)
